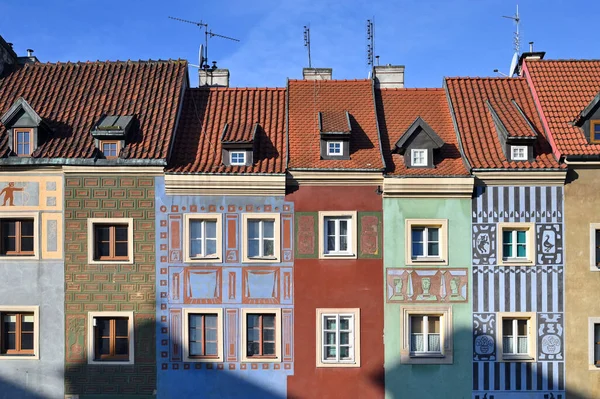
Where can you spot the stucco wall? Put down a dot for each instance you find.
(407, 380)
(582, 207)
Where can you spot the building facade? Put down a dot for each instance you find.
(427, 267)
(517, 240)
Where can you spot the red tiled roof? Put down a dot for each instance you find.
(334, 121)
(509, 114)
(309, 97)
(397, 109)
(478, 133)
(203, 116)
(564, 89)
(239, 132)
(72, 97)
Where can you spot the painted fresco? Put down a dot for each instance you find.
(228, 284)
(534, 288)
(427, 285)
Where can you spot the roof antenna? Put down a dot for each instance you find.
(516, 41)
(370, 41)
(203, 59)
(307, 42)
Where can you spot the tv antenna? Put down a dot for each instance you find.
(203, 58)
(370, 41)
(307, 42)
(516, 42)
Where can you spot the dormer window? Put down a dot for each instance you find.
(519, 153)
(418, 157)
(23, 142)
(334, 148)
(111, 133)
(110, 149)
(237, 158)
(595, 131)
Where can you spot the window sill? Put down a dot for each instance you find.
(111, 362)
(200, 259)
(203, 359)
(524, 359)
(338, 256)
(516, 261)
(261, 360)
(427, 356)
(257, 259)
(110, 262)
(338, 364)
(593, 367)
(19, 357)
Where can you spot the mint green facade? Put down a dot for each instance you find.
(402, 378)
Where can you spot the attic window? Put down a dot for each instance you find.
(110, 149)
(23, 142)
(237, 158)
(418, 157)
(595, 131)
(334, 148)
(519, 153)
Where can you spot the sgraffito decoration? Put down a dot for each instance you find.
(484, 244)
(427, 285)
(549, 242)
(550, 336)
(484, 336)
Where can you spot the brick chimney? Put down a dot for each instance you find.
(389, 76)
(317, 73)
(8, 57)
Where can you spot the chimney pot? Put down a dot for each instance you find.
(389, 76)
(29, 52)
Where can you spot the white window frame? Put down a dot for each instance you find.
(445, 356)
(276, 218)
(442, 225)
(244, 314)
(514, 152)
(36, 234)
(529, 228)
(592, 322)
(188, 219)
(531, 337)
(351, 252)
(91, 222)
(593, 228)
(331, 151)
(237, 162)
(36, 331)
(354, 340)
(186, 349)
(416, 152)
(90, 338)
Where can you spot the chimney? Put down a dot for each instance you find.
(213, 77)
(29, 59)
(317, 73)
(389, 76)
(8, 58)
(530, 55)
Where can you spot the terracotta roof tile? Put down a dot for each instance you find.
(564, 89)
(309, 97)
(397, 109)
(239, 132)
(477, 130)
(203, 116)
(71, 97)
(509, 113)
(335, 121)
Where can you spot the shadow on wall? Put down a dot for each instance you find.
(9, 390)
(436, 381)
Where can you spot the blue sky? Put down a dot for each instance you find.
(431, 38)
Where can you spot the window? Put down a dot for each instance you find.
(203, 235)
(594, 343)
(19, 331)
(595, 131)
(338, 337)
(111, 337)
(418, 157)
(595, 247)
(516, 336)
(337, 232)
(23, 142)
(516, 242)
(17, 237)
(518, 152)
(334, 148)
(110, 149)
(261, 340)
(203, 335)
(427, 335)
(261, 237)
(237, 157)
(110, 240)
(426, 241)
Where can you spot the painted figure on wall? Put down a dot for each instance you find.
(426, 286)
(454, 290)
(9, 192)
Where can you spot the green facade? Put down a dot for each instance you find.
(109, 287)
(403, 380)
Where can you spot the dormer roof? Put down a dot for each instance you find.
(113, 126)
(587, 111)
(19, 107)
(334, 122)
(419, 127)
(239, 132)
(510, 120)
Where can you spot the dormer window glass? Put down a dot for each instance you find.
(334, 148)
(237, 158)
(110, 149)
(519, 153)
(418, 157)
(595, 131)
(22, 140)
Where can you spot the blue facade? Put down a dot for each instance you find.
(518, 289)
(227, 285)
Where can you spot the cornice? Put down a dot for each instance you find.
(221, 184)
(104, 170)
(520, 178)
(334, 178)
(435, 187)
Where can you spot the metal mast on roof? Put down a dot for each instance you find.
(207, 34)
(516, 41)
(370, 41)
(307, 42)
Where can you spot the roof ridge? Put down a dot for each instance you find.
(214, 88)
(329, 81)
(411, 89)
(484, 78)
(99, 62)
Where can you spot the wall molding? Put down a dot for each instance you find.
(520, 178)
(334, 178)
(419, 187)
(221, 184)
